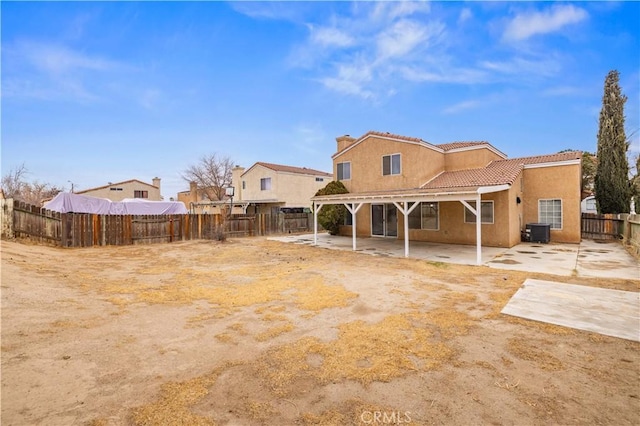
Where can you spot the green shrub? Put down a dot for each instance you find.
(331, 216)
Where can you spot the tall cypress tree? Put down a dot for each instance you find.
(612, 189)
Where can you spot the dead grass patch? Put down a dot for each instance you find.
(225, 338)
(356, 412)
(270, 316)
(543, 326)
(274, 332)
(175, 401)
(530, 351)
(362, 352)
(315, 295)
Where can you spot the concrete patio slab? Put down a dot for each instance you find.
(606, 259)
(377, 246)
(588, 259)
(610, 312)
(553, 258)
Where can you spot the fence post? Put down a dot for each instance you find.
(6, 217)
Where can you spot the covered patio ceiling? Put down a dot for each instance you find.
(406, 201)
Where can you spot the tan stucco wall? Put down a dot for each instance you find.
(561, 182)
(418, 165)
(290, 189)
(504, 232)
(454, 230)
(128, 189)
(471, 159)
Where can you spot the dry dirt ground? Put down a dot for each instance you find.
(251, 332)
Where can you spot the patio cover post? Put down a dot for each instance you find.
(353, 209)
(477, 211)
(316, 207)
(478, 230)
(406, 210)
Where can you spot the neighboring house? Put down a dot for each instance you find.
(588, 205)
(402, 185)
(197, 201)
(266, 187)
(133, 188)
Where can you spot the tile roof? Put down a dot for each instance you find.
(498, 172)
(488, 176)
(457, 145)
(292, 169)
(391, 135)
(550, 158)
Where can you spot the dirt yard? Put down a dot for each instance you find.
(251, 332)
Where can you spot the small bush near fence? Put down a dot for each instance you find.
(20, 220)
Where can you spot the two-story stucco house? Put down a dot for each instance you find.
(407, 188)
(266, 186)
(133, 188)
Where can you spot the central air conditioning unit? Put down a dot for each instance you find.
(538, 232)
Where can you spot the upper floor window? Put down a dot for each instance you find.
(486, 212)
(391, 165)
(265, 184)
(244, 186)
(319, 179)
(344, 171)
(115, 189)
(140, 194)
(550, 211)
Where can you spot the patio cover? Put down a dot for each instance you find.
(66, 202)
(406, 201)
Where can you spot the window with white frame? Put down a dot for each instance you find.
(348, 218)
(550, 211)
(265, 184)
(344, 171)
(391, 165)
(425, 216)
(486, 212)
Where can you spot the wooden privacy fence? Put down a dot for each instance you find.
(21, 220)
(601, 226)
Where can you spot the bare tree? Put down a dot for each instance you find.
(14, 181)
(212, 175)
(15, 185)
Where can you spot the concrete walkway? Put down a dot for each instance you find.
(587, 259)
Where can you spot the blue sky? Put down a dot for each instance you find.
(98, 92)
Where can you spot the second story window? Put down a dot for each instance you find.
(319, 179)
(140, 194)
(391, 165)
(344, 171)
(265, 184)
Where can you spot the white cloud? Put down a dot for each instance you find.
(351, 80)
(60, 59)
(402, 38)
(330, 37)
(551, 20)
(464, 16)
(390, 10)
(541, 67)
(446, 74)
(462, 106)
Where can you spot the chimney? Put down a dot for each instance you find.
(193, 192)
(156, 183)
(236, 182)
(344, 142)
